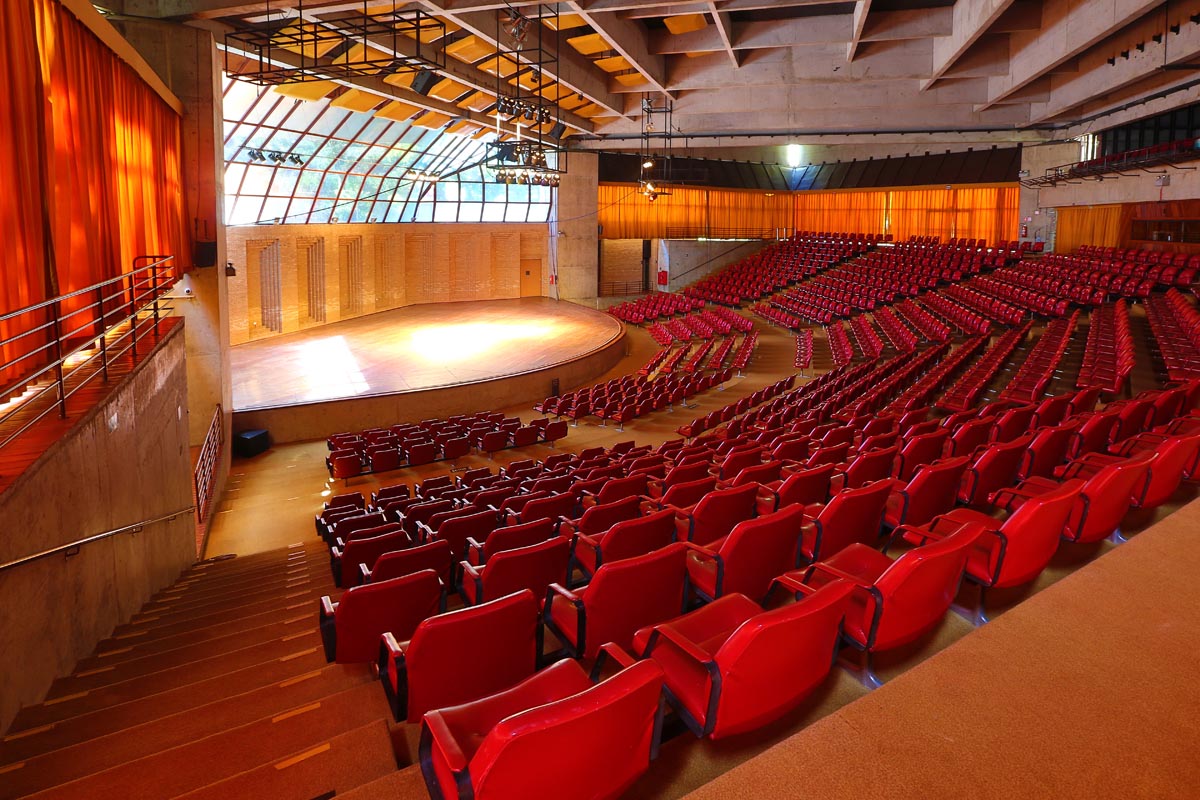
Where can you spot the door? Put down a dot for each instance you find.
(531, 277)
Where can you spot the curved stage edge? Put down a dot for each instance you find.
(318, 419)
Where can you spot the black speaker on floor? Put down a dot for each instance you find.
(251, 443)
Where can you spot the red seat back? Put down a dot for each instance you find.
(365, 613)
(1031, 535)
(759, 473)
(476, 525)
(922, 449)
(600, 518)
(632, 593)
(806, 486)
(532, 567)
(934, 489)
(995, 468)
(463, 655)
(1109, 494)
(621, 488)
(366, 551)
(872, 466)
(717, 513)
(1176, 459)
(552, 507)
(774, 660)
(852, 515)
(971, 435)
(435, 555)
(758, 550)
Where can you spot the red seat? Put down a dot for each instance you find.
(732, 668)
(509, 538)
(554, 431)
(993, 469)
(894, 602)
(550, 507)
(749, 558)
(456, 530)
(460, 656)
(867, 467)
(716, 514)
(805, 486)
(770, 472)
(618, 489)
(532, 567)
(344, 561)
(623, 597)
(922, 449)
(932, 491)
(1094, 434)
(351, 627)
(682, 473)
(598, 519)
(627, 539)
(1048, 450)
(971, 435)
(435, 555)
(1015, 550)
(552, 731)
(1175, 460)
(851, 515)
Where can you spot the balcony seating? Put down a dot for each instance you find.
(622, 597)
(532, 567)
(745, 561)
(510, 538)
(732, 668)
(851, 515)
(932, 491)
(435, 555)
(894, 602)
(553, 730)
(460, 656)
(716, 514)
(351, 627)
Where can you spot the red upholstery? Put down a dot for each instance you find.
(456, 531)
(344, 562)
(509, 538)
(532, 567)
(460, 656)
(679, 474)
(552, 735)
(852, 515)
(1013, 423)
(931, 492)
(1094, 434)
(971, 435)
(1175, 459)
(351, 627)
(898, 601)
(598, 519)
(688, 493)
(868, 467)
(1016, 550)
(749, 558)
(619, 489)
(732, 668)
(804, 486)
(716, 514)
(627, 539)
(422, 512)
(623, 596)
(993, 469)
(738, 460)
(924, 448)
(550, 507)
(435, 555)
(1048, 450)
(769, 472)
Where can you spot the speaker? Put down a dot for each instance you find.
(424, 81)
(204, 254)
(251, 443)
(557, 131)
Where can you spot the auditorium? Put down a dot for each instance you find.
(351, 349)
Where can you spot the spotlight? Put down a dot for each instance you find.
(648, 163)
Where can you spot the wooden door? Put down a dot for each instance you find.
(531, 277)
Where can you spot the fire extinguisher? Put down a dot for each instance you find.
(1024, 231)
(663, 277)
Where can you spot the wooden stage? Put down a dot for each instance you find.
(416, 348)
(422, 361)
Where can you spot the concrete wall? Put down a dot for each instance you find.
(124, 462)
(1139, 187)
(332, 272)
(690, 260)
(1036, 160)
(574, 241)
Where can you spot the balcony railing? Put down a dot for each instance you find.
(68, 341)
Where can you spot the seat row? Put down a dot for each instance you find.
(1041, 363)
(1108, 355)
(967, 390)
(1175, 323)
(653, 306)
(839, 344)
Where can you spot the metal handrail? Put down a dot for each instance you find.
(143, 288)
(63, 548)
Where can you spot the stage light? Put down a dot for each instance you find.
(795, 155)
(648, 163)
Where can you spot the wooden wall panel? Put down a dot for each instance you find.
(332, 272)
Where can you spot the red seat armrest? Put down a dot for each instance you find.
(328, 608)
(364, 576)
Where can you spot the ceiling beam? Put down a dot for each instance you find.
(629, 39)
(972, 19)
(858, 23)
(1069, 28)
(757, 35)
(724, 25)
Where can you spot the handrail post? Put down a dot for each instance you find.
(58, 358)
(103, 334)
(133, 319)
(154, 292)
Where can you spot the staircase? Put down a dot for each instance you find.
(218, 688)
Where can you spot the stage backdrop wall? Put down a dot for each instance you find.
(292, 277)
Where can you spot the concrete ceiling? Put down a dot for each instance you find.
(765, 72)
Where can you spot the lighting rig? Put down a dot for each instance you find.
(654, 155)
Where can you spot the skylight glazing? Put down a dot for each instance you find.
(292, 160)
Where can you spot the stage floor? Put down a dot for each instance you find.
(416, 348)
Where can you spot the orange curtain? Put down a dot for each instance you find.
(115, 174)
(1103, 226)
(974, 212)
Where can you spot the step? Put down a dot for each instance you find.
(77, 749)
(404, 784)
(153, 675)
(172, 770)
(150, 640)
(216, 589)
(332, 767)
(221, 574)
(247, 595)
(151, 627)
(188, 648)
(106, 713)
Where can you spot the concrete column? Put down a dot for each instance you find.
(187, 61)
(575, 209)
